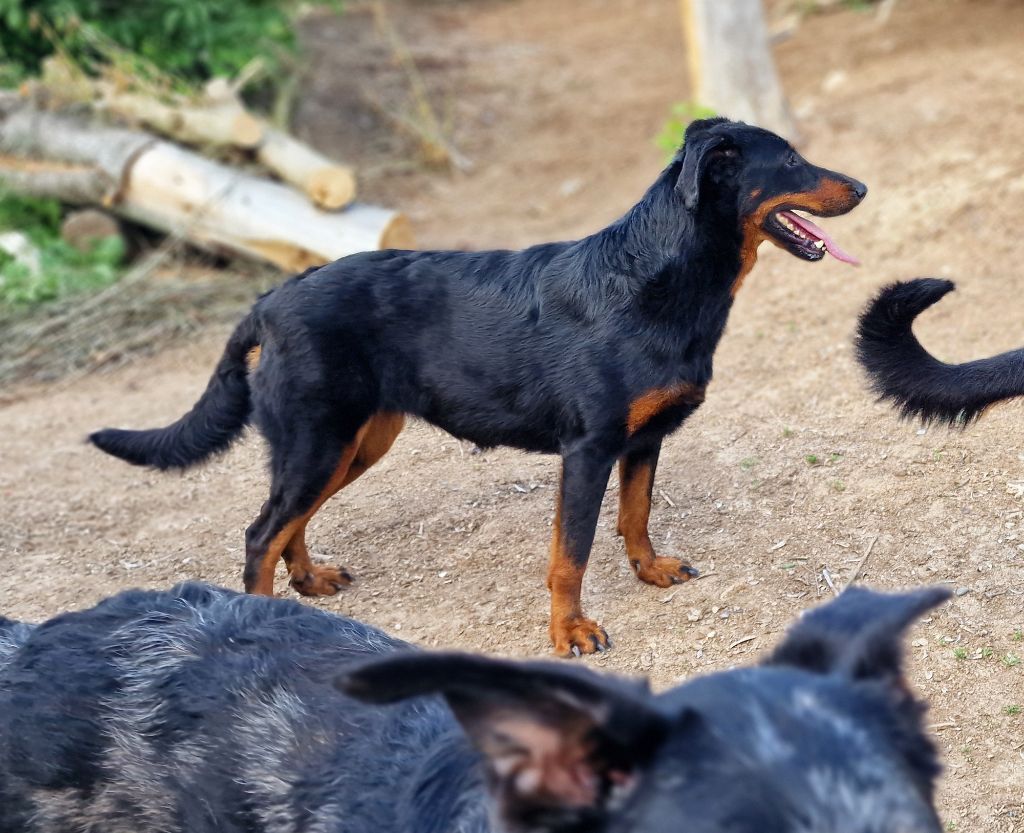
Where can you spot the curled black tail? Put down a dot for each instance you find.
(210, 427)
(907, 375)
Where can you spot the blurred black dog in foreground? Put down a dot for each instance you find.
(203, 710)
(917, 383)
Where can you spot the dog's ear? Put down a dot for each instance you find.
(858, 635)
(699, 148)
(559, 742)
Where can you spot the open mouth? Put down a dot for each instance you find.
(803, 238)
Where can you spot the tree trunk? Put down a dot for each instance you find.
(174, 190)
(731, 65)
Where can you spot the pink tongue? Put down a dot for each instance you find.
(831, 246)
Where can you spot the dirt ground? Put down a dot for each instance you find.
(788, 470)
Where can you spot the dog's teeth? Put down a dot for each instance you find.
(819, 244)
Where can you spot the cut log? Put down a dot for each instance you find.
(164, 186)
(221, 209)
(327, 183)
(218, 118)
(224, 122)
(731, 66)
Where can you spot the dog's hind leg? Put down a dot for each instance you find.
(311, 579)
(584, 479)
(636, 484)
(306, 471)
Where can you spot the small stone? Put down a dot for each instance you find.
(962, 591)
(694, 614)
(81, 229)
(834, 80)
(570, 187)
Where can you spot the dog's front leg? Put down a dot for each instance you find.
(636, 483)
(585, 472)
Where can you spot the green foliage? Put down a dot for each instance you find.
(64, 270)
(192, 39)
(674, 131)
(31, 215)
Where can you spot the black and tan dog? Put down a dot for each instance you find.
(593, 349)
(910, 377)
(205, 711)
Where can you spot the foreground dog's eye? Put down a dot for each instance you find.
(792, 160)
(730, 153)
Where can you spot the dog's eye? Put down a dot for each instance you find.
(792, 160)
(730, 153)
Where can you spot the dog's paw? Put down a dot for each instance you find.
(664, 572)
(576, 636)
(321, 581)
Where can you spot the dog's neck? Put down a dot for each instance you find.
(664, 248)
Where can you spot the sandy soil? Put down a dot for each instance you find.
(557, 104)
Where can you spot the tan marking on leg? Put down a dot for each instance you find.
(265, 580)
(635, 487)
(569, 628)
(309, 579)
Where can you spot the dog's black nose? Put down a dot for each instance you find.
(860, 190)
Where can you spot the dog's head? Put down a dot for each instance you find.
(736, 170)
(824, 737)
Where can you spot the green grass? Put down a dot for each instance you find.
(1010, 660)
(674, 131)
(812, 460)
(838, 486)
(986, 652)
(1018, 635)
(64, 270)
(1012, 710)
(960, 653)
(788, 432)
(748, 463)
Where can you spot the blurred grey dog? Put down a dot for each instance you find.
(203, 710)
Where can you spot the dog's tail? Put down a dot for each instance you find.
(917, 383)
(214, 422)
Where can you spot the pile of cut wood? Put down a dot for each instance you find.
(264, 194)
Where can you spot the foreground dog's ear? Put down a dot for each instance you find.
(558, 741)
(698, 150)
(859, 635)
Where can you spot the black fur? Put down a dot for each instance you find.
(917, 383)
(200, 710)
(545, 349)
(209, 428)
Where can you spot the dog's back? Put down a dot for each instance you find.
(202, 710)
